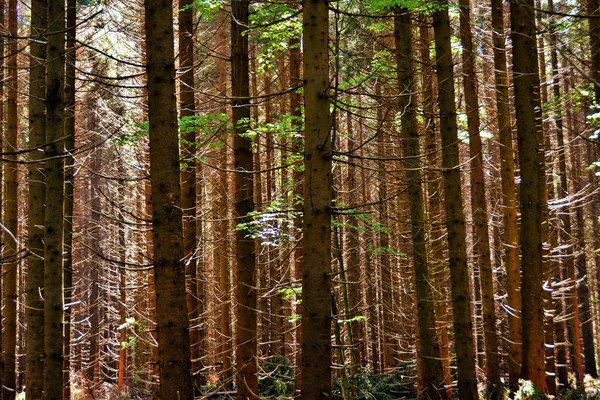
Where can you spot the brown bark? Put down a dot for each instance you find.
(245, 289)
(593, 9)
(509, 198)
(53, 226)
(526, 94)
(298, 177)
(172, 326)
(11, 215)
(455, 220)
(95, 239)
(430, 362)
(576, 186)
(187, 108)
(69, 187)
(436, 243)
(479, 206)
(2, 133)
(353, 264)
(316, 282)
(34, 314)
(565, 228)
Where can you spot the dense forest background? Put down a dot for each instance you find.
(320, 199)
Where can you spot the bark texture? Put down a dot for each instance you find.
(527, 101)
(430, 360)
(34, 310)
(316, 280)
(55, 178)
(455, 219)
(245, 289)
(509, 196)
(11, 214)
(172, 327)
(479, 207)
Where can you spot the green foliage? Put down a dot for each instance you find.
(288, 128)
(595, 166)
(423, 6)
(528, 391)
(376, 251)
(204, 124)
(277, 379)
(291, 293)
(276, 24)
(271, 225)
(589, 390)
(358, 318)
(132, 134)
(400, 384)
(207, 9)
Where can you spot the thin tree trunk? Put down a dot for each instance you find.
(565, 229)
(526, 87)
(172, 325)
(11, 215)
(187, 109)
(69, 187)
(429, 355)
(53, 226)
(509, 210)
(2, 133)
(479, 207)
(245, 289)
(298, 177)
(34, 310)
(316, 282)
(455, 220)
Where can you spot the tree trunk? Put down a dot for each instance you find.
(69, 187)
(593, 9)
(430, 361)
(172, 326)
(316, 282)
(11, 214)
(455, 220)
(435, 211)
(34, 310)
(246, 342)
(526, 93)
(479, 206)
(53, 226)
(509, 197)
(187, 108)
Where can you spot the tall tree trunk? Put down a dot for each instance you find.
(34, 310)
(455, 220)
(316, 282)
(435, 211)
(298, 177)
(2, 133)
(172, 326)
(479, 206)
(246, 341)
(53, 226)
(11, 214)
(69, 187)
(577, 186)
(593, 9)
(95, 240)
(187, 108)
(509, 197)
(531, 161)
(429, 354)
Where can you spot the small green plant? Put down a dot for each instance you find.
(527, 391)
(277, 379)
